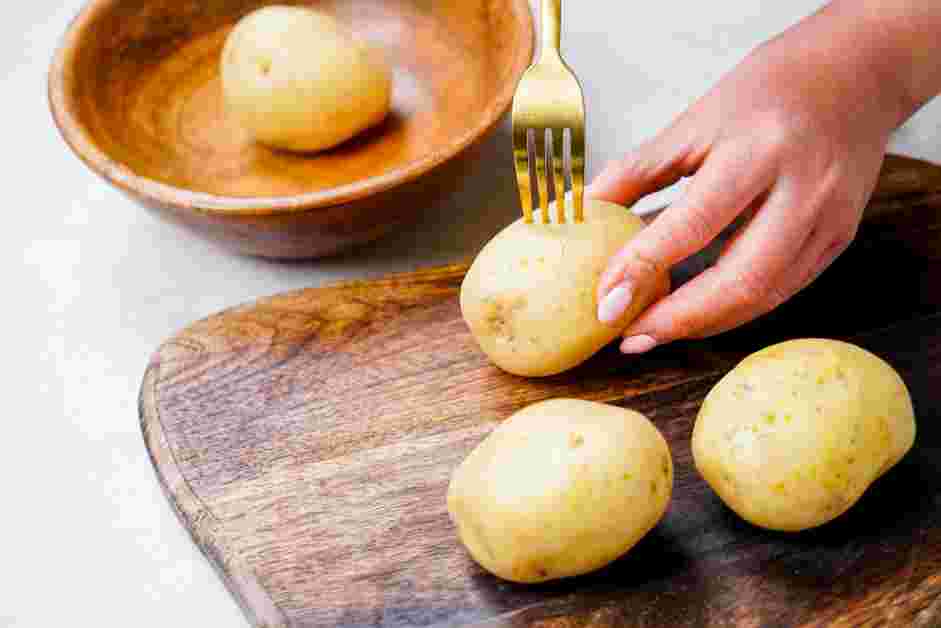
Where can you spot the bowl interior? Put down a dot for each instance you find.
(142, 84)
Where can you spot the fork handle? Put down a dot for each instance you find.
(551, 27)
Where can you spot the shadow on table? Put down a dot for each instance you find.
(454, 229)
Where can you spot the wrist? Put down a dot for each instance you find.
(895, 43)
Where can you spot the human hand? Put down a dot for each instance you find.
(795, 135)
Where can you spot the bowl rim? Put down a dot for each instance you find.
(61, 77)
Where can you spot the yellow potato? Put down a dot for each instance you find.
(297, 80)
(561, 488)
(530, 296)
(794, 434)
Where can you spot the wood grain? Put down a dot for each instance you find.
(306, 441)
(134, 89)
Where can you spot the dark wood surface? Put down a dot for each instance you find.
(134, 89)
(306, 442)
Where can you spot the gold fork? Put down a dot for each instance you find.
(549, 102)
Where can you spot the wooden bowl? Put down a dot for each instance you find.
(134, 89)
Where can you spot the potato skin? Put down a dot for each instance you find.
(297, 80)
(529, 298)
(561, 488)
(795, 433)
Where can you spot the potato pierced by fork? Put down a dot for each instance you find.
(530, 296)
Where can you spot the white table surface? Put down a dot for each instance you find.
(93, 284)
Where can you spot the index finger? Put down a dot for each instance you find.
(745, 283)
(729, 181)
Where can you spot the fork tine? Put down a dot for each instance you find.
(558, 172)
(521, 161)
(541, 177)
(577, 152)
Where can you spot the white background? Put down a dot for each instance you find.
(92, 284)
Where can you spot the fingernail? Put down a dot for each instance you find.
(613, 305)
(638, 344)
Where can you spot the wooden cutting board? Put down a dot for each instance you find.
(306, 442)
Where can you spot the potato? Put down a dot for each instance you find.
(794, 434)
(297, 80)
(561, 488)
(529, 298)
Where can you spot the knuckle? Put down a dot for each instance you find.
(787, 136)
(758, 290)
(643, 263)
(682, 327)
(633, 164)
(696, 225)
(683, 150)
(777, 131)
